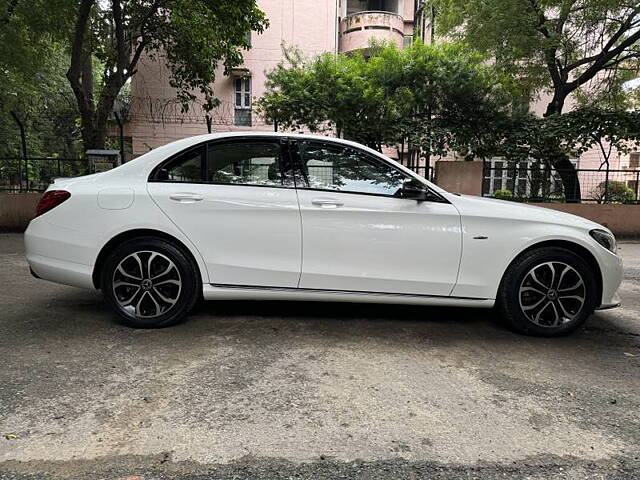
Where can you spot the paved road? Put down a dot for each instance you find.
(302, 390)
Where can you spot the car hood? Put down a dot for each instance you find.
(469, 205)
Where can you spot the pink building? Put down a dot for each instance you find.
(313, 26)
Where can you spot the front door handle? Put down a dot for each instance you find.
(326, 202)
(186, 197)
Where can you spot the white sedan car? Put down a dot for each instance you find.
(301, 217)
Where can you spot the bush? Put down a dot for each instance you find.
(618, 192)
(503, 194)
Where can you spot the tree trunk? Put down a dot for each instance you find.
(558, 159)
(80, 75)
(568, 174)
(556, 104)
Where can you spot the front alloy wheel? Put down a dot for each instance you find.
(548, 292)
(551, 294)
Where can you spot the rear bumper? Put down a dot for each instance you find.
(59, 271)
(57, 255)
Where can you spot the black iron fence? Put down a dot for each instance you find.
(541, 184)
(35, 174)
(423, 171)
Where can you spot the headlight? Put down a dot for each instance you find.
(605, 239)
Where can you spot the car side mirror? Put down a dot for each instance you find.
(414, 191)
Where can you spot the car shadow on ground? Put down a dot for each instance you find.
(74, 313)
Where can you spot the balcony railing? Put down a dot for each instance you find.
(357, 29)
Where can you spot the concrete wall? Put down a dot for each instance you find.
(623, 220)
(16, 210)
(460, 177)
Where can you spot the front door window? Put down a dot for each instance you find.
(344, 169)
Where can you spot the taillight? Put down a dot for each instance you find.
(51, 199)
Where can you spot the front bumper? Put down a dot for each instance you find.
(614, 302)
(612, 271)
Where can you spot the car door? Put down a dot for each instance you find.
(360, 235)
(235, 199)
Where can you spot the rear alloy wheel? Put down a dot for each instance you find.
(150, 283)
(548, 292)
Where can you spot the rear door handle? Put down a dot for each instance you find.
(326, 202)
(186, 197)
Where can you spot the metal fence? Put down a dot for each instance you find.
(36, 173)
(423, 171)
(541, 184)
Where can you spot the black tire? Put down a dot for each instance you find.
(557, 312)
(165, 303)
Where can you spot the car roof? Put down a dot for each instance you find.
(159, 154)
(143, 165)
(253, 133)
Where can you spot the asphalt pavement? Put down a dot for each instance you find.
(305, 390)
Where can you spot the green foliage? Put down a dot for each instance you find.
(503, 194)
(574, 133)
(614, 192)
(563, 45)
(433, 98)
(33, 85)
(588, 127)
(555, 139)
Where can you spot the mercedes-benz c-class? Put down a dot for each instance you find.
(303, 217)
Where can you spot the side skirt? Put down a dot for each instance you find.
(241, 292)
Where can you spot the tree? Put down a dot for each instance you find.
(563, 45)
(192, 36)
(566, 46)
(33, 86)
(569, 135)
(327, 93)
(432, 98)
(589, 127)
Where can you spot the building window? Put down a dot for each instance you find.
(242, 101)
(634, 160)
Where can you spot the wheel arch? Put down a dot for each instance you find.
(574, 247)
(136, 233)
